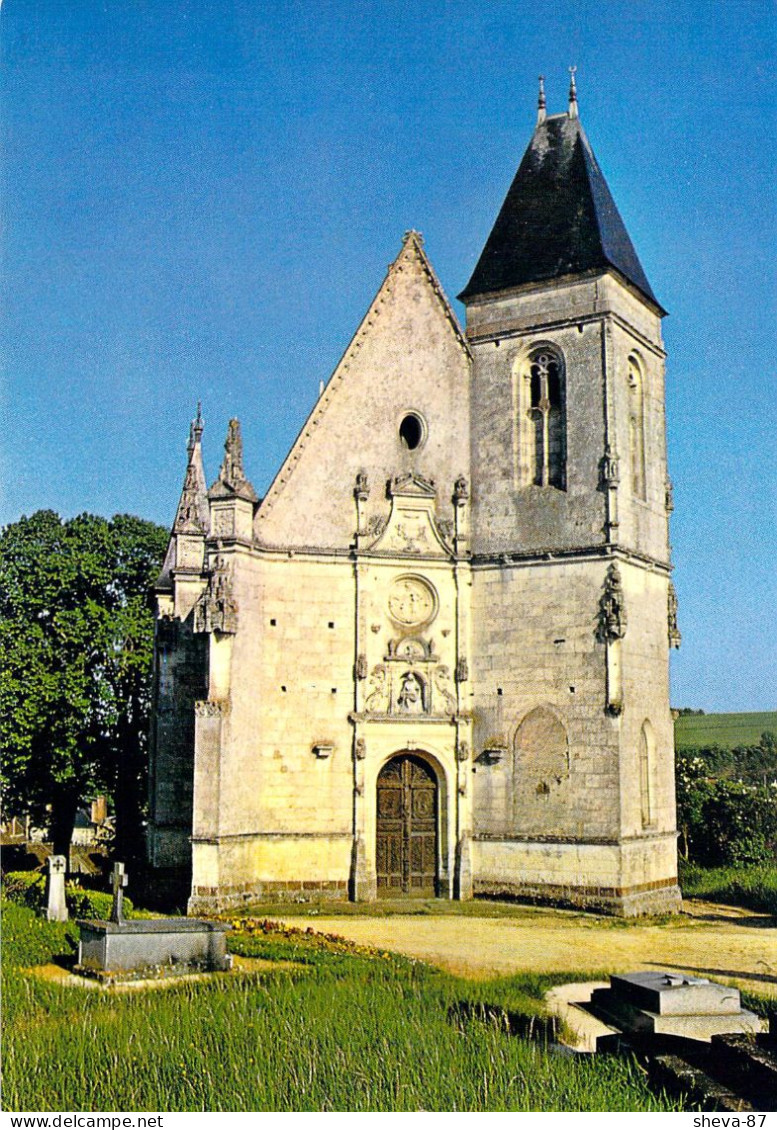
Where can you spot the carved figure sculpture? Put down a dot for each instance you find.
(612, 615)
(216, 610)
(444, 687)
(377, 699)
(411, 695)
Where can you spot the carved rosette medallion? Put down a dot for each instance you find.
(412, 602)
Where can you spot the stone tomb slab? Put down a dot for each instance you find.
(675, 994)
(123, 947)
(672, 1004)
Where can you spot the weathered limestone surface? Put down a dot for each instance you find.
(408, 355)
(460, 575)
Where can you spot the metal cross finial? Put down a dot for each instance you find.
(119, 881)
(541, 101)
(572, 93)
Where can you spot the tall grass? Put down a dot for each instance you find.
(368, 1034)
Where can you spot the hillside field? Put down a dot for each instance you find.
(725, 730)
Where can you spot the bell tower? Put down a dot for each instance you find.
(572, 603)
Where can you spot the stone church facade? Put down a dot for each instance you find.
(433, 659)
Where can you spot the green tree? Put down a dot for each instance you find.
(723, 822)
(693, 790)
(76, 635)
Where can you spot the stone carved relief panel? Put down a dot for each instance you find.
(216, 610)
(412, 602)
(223, 522)
(399, 691)
(411, 649)
(407, 677)
(412, 526)
(612, 607)
(445, 691)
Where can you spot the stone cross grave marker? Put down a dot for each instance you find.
(119, 881)
(56, 909)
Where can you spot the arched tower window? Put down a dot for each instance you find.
(647, 768)
(636, 427)
(545, 412)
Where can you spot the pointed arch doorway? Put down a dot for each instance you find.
(407, 828)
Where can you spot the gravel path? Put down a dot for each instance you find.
(710, 941)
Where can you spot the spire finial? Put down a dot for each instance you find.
(231, 471)
(541, 114)
(195, 429)
(572, 93)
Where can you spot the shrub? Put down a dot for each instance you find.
(30, 940)
(28, 888)
(723, 822)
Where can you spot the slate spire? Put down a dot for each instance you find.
(559, 217)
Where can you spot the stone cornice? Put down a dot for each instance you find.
(540, 556)
(560, 556)
(491, 298)
(424, 719)
(271, 836)
(589, 841)
(517, 331)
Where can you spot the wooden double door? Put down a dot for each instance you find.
(407, 808)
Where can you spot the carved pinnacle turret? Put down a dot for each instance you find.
(573, 113)
(196, 429)
(192, 514)
(541, 104)
(216, 610)
(232, 479)
(231, 471)
(675, 638)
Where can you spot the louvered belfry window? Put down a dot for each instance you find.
(546, 412)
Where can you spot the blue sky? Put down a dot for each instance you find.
(200, 199)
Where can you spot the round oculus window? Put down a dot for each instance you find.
(412, 431)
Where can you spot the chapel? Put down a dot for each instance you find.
(432, 660)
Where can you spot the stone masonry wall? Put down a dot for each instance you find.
(182, 666)
(593, 325)
(646, 698)
(534, 631)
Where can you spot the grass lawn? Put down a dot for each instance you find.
(345, 1029)
(725, 730)
(753, 886)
